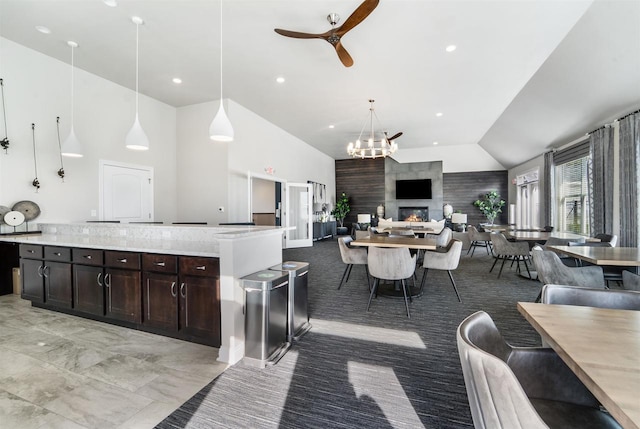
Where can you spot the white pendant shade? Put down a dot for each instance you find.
(72, 146)
(136, 138)
(220, 129)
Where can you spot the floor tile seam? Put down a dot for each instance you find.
(114, 384)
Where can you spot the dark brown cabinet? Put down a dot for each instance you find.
(32, 285)
(46, 275)
(122, 282)
(160, 292)
(88, 281)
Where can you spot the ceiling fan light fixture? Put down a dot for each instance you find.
(136, 138)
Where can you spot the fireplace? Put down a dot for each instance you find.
(413, 214)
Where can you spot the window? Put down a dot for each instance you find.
(572, 196)
(528, 199)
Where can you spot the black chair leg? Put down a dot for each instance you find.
(344, 276)
(373, 291)
(494, 263)
(504, 259)
(424, 278)
(349, 273)
(526, 266)
(366, 270)
(454, 285)
(406, 301)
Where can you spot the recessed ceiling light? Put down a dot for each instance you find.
(332, 126)
(435, 143)
(177, 80)
(43, 29)
(450, 48)
(439, 114)
(111, 3)
(280, 79)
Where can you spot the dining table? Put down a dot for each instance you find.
(543, 236)
(601, 346)
(382, 240)
(604, 256)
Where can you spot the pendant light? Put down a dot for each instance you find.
(220, 129)
(136, 138)
(72, 146)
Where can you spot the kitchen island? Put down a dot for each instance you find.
(235, 250)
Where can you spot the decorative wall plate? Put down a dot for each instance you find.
(3, 211)
(14, 218)
(29, 209)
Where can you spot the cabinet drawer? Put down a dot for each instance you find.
(62, 254)
(207, 267)
(122, 259)
(86, 256)
(33, 251)
(160, 263)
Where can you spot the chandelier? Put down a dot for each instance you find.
(373, 147)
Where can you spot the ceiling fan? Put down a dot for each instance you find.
(334, 35)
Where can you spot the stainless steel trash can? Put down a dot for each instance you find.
(297, 310)
(265, 320)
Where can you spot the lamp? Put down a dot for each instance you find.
(220, 129)
(136, 138)
(364, 218)
(71, 146)
(459, 219)
(385, 146)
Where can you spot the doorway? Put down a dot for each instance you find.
(125, 192)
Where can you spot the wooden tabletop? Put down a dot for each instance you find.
(542, 236)
(385, 241)
(618, 256)
(601, 346)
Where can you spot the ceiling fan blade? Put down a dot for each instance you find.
(298, 35)
(343, 55)
(357, 16)
(395, 136)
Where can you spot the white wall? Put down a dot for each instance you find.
(205, 167)
(37, 90)
(455, 159)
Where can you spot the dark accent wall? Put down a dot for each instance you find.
(462, 189)
(363, 182)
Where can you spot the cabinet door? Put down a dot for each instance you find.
(57, 283)
(88, 289)
(124, 300)
(32, 283)
(160, 301)
(200, 308)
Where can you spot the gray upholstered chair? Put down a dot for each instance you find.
(448, 260)
(551, 270)
(521, 388)
(630, 281)
(442, 239)
(612, 239)
(351, 256)
(507, 250)
(402, 233)
(588, 297)
(478, 239)
(391, 264)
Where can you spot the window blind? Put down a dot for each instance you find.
(577, 151)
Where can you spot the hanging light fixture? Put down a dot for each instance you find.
(72, 146)
(136, 138)
(382, 147)
(220, 129)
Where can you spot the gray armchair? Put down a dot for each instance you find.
(528, 388)
(478, 239)
(391, 264)
(351, 256)
(630, 281)
(444, 260)
(507, 250)
(602, 298)
(442, 239)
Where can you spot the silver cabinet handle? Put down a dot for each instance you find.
(159, 264)
(201, 268)
(57, 253)
(123, 260)
(99, 279)
(31, 251)
(107, 280)
(174, 292)
(40, 269)
(87, 256)
(182, 290)
(44, 271)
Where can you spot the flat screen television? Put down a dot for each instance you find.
(418, 189)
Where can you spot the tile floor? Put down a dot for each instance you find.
(61, 371)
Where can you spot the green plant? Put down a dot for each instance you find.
(341, 209)
(490, 206)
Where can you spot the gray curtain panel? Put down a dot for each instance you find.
(629, 179)
(601, 181)
(549, 189)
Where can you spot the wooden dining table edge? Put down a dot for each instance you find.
(614, 409)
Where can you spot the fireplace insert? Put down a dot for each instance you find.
(413, 214)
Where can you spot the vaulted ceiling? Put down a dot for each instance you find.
(525, 76)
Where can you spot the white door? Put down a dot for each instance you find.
(126, 192)
(298, 215)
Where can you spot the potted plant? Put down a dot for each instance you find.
(341, 211)
(490, 206)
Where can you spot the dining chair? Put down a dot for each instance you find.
(589, 297)
(612, 239)
(394, 264)
(521, 387)
(446, 260)
(630, 281)
(442, 239)
(402, 233)
(351, 256)
(514, 251)
(478, 239)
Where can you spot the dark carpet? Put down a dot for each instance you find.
(359, 369)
